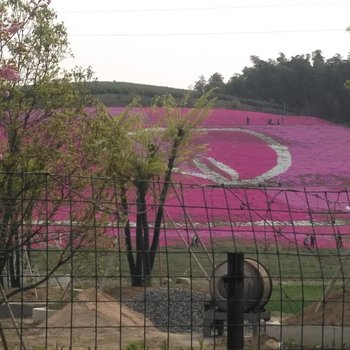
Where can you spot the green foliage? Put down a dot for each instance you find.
(122, 94)
(216, 81)
(200, 85)
(125, 147)
(136, 148)
(292, 298)
(38, 123)
(306, 84)
(135, 345)
(303, 84)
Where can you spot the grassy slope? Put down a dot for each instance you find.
(122, 93)
(299, 276)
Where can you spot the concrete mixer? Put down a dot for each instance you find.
(257, 292)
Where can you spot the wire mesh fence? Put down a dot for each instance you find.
(100, 263)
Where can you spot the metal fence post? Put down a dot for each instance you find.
(235, 301)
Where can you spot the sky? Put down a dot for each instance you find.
(173, 43)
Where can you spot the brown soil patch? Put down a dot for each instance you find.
(93, 318)
(335, 310)
(96, 309)
(98, 320)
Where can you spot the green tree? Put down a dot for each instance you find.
(306, 84)
(216, 81)
(135, 155)
(200, 85)
(38, 107)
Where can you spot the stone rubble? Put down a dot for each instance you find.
(171, 310)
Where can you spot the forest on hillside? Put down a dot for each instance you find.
(307, 84)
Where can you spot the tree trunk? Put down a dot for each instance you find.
(143, 271)
(138, 278)
(8, 231)
(127, 233)
(14, 269)
(147, 259)
(163, 195)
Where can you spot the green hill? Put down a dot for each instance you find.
(122, 93)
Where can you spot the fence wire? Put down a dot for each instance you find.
(99, 263)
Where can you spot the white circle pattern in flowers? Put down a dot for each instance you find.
(284, 161)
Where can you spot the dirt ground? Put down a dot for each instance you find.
(335, 310)
(100, 321)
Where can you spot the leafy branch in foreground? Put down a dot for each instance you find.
(39, 136)
(138, 148)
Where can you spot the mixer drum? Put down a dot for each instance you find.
(257, 286)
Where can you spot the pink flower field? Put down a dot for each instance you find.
(318, 149)
(284, 177)
(303, 161)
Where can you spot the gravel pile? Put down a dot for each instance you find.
(172, 310)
